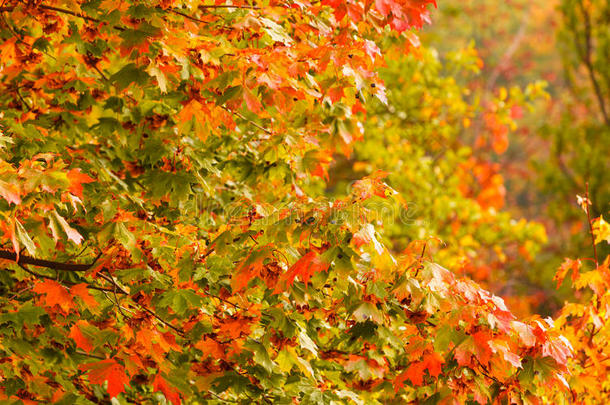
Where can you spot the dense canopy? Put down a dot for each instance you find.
(177, 226)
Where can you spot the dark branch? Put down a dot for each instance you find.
(586, 55)
(8, 255)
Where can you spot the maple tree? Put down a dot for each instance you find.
(165, 236)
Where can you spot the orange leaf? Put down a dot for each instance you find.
(81, 291)
(433, 362)
(415, 372)
(107, 370)
(210, 348)
(77, 179)
(159, 384)
(77, 335)
(9, 232)
(55, 294)
(250, 268)
(481, 340)
(567, 265)
(233, 328)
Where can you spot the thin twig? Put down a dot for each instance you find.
(18, 293)
(116, 298)
(222, 299)
(587, 210)
(237, 114)
(27, 106)
(204, 7)
(79, 15)
(95, 356)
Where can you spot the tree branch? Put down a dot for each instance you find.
(586, 58)
(33, 273)
(8, 255)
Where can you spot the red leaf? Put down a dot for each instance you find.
(55, 294)
(159, 384)
(77, 335)
(481, 340)
(383, 6)
(250, 268)
(502, 347)
(77, 179)
(433, 362)
(107, 370)
(415, 372)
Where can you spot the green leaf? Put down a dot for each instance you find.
(261, 356)
(306, 343)
(24, 239)
(229, 94)
(129, 74)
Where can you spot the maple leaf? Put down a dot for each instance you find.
(55, 294)
(306, 267)
(567, 265)
(77, 179)
(365, 236)
(433, 363)
(525, 332)
(502, 347)
(483, 351)
(559, 349)
(250, 268)
(252, 101)
(210, 348)
(234, 327)
(9, 233)
(159, 384)
(372, 50)
(107, 371)
(77, 335)
(415, 372)
(81, 291)
(71, 233)
(601, 230)
(10, 192)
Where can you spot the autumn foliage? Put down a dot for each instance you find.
(194, 208)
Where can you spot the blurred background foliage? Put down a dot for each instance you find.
(494, 125)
